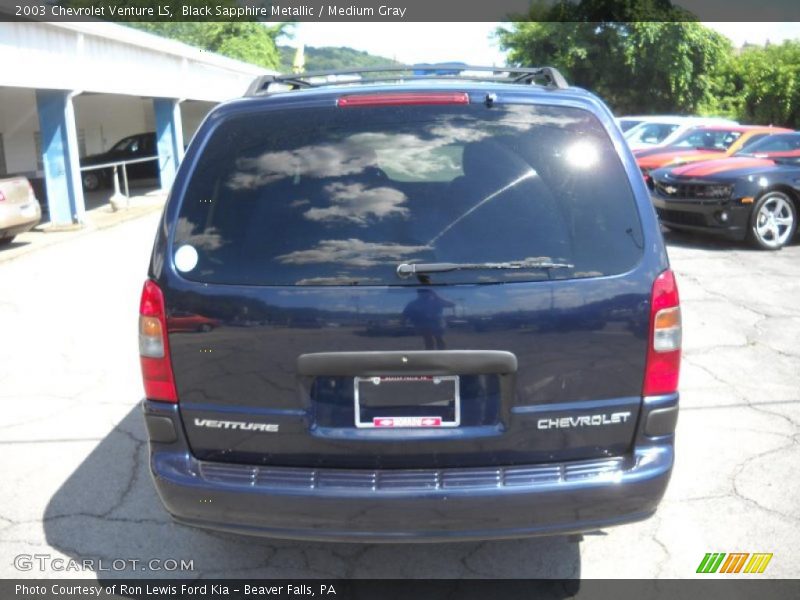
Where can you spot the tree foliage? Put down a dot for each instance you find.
(247, 41)
(762, 85)
(648, 56)
(637, 66)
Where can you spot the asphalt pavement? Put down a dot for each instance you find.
(75, 482)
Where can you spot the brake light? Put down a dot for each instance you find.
(159, 383)
(664, 344)
(403, 99)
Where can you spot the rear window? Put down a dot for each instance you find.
(342, 196)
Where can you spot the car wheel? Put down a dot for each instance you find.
(773, 221)
(91, 181)
(205, 328)
(6, 240)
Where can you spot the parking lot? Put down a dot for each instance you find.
(74, 468)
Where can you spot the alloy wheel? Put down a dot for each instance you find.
(774, 221)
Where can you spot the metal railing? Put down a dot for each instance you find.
(115, 165)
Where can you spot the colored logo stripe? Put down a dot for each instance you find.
(711, 562)
(758, 563)
(735, 561)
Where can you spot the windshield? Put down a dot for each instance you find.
(708, 139)
(130, 144)
(650, 133)
(337, 196)
(785, 144)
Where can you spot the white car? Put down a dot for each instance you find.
(657, 132)
(631, 121)
(19, 208)
(628, 122)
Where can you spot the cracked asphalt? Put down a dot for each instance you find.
(74, 472)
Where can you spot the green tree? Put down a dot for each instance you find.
(673, 67)
(651, 58)
(763, 85)
(247, 41)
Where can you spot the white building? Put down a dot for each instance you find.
(72, 89)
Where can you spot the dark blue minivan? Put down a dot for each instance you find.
(410, 307)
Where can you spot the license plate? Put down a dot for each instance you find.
(407, 401)
(29, 210)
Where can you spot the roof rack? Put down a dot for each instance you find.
(549, 76)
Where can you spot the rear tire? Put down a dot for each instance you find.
(773, 221)
(91, 181)
(7, 240)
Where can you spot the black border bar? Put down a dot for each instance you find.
(735, 587)
(400, 10)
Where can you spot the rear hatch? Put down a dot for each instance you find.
(294, 340)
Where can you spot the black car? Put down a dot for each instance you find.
(753, 195)
(139, 147)
(443, 310)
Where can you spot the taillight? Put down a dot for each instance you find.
(402, 98)
(159, 383)
(648, 179)
(664, 344)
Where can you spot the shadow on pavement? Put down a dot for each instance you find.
(700, 241)
(13, 244)
(108, 510)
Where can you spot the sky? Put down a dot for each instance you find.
(471, 42)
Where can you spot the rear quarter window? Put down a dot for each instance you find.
(333, 196)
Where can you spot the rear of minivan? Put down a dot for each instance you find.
(440, 311)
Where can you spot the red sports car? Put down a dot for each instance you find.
(704, 143)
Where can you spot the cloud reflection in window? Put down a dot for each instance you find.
(352, 252)
(318, 161)
(210, 239)
(356, 203)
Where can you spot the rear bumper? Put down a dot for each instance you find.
(422, 505)
(13, 222)
(696, 215)
(290, 503)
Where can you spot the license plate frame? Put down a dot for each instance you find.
(447, 416)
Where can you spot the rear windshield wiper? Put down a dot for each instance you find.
(408, 269)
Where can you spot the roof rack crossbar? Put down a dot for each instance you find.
(550, 76)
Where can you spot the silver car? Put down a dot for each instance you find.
(19, 208)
